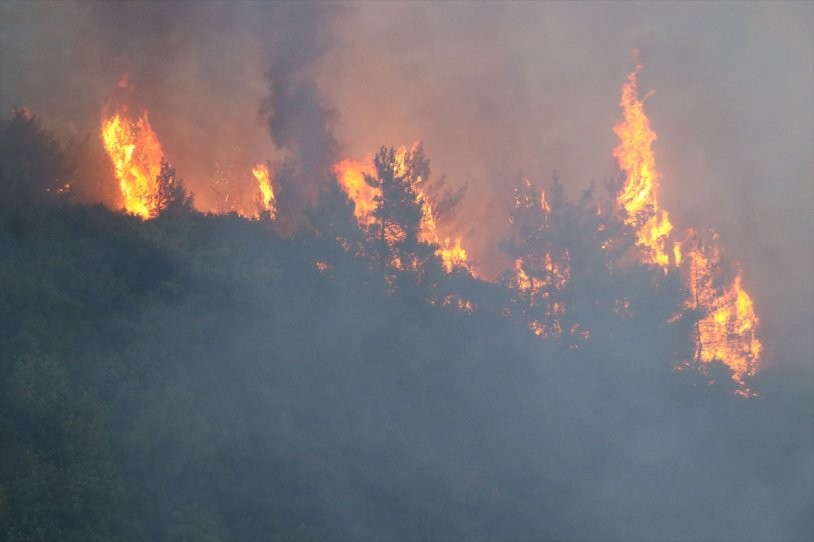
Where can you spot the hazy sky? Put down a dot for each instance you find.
(495, 90)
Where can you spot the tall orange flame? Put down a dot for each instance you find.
(268, 200)
(136, 154)
(636, 159)
(726, 329)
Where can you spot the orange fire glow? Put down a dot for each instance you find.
(726, 328)
(136, 154)
(123, 81)
(268, 201)
(350, 175)
(636, 159)
(726, 331)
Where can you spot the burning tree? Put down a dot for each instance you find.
(542, 263)
(638, 197)
(268, 199)
(148, 184)
(171, 195)
(394, 191)
(339, 240)
(722, 313)
(725, 322)
(397, 219)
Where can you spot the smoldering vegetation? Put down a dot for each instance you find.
(201, 377)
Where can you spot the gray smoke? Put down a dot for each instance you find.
(217, 79)
(298, 117)
(496, 91)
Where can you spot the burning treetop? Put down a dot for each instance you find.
(396, 211)
(393, 184)
(725, 330)
(136, 154)
(636, 159)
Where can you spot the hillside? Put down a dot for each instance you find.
(198, 377)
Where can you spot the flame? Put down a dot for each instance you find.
(65, 188)
(543, 272)
(677, 253)
(453, 255)
(726, 331)
(136, 154)
(636, 159)
(268, 200)
(522, 280)
(350, 174)
(544, 205)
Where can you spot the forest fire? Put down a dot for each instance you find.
(268, 200)
(542, 266)
(637, 161)
(350, 174)
(353, 175)
(726, 331)
(726, 328)
(136, 154)
(406, 271)
(724, 318)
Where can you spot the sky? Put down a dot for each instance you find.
(497, 92)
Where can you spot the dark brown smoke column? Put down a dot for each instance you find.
(299, 119)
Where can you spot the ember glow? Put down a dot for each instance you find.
(136, 154)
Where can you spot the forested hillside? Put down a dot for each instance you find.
(207, 377)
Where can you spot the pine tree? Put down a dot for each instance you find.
(33, 167)
(398, 213)
(173, 198)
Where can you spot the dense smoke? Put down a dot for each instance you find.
(299, 120)
(226, 85)
(497, 93)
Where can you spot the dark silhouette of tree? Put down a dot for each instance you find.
(285, 180)
(94, 178)
(209, 383)
(398, 215)
(173, 198)
(33, 168)
(339, 240)
(541, 254)
(332, 216)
